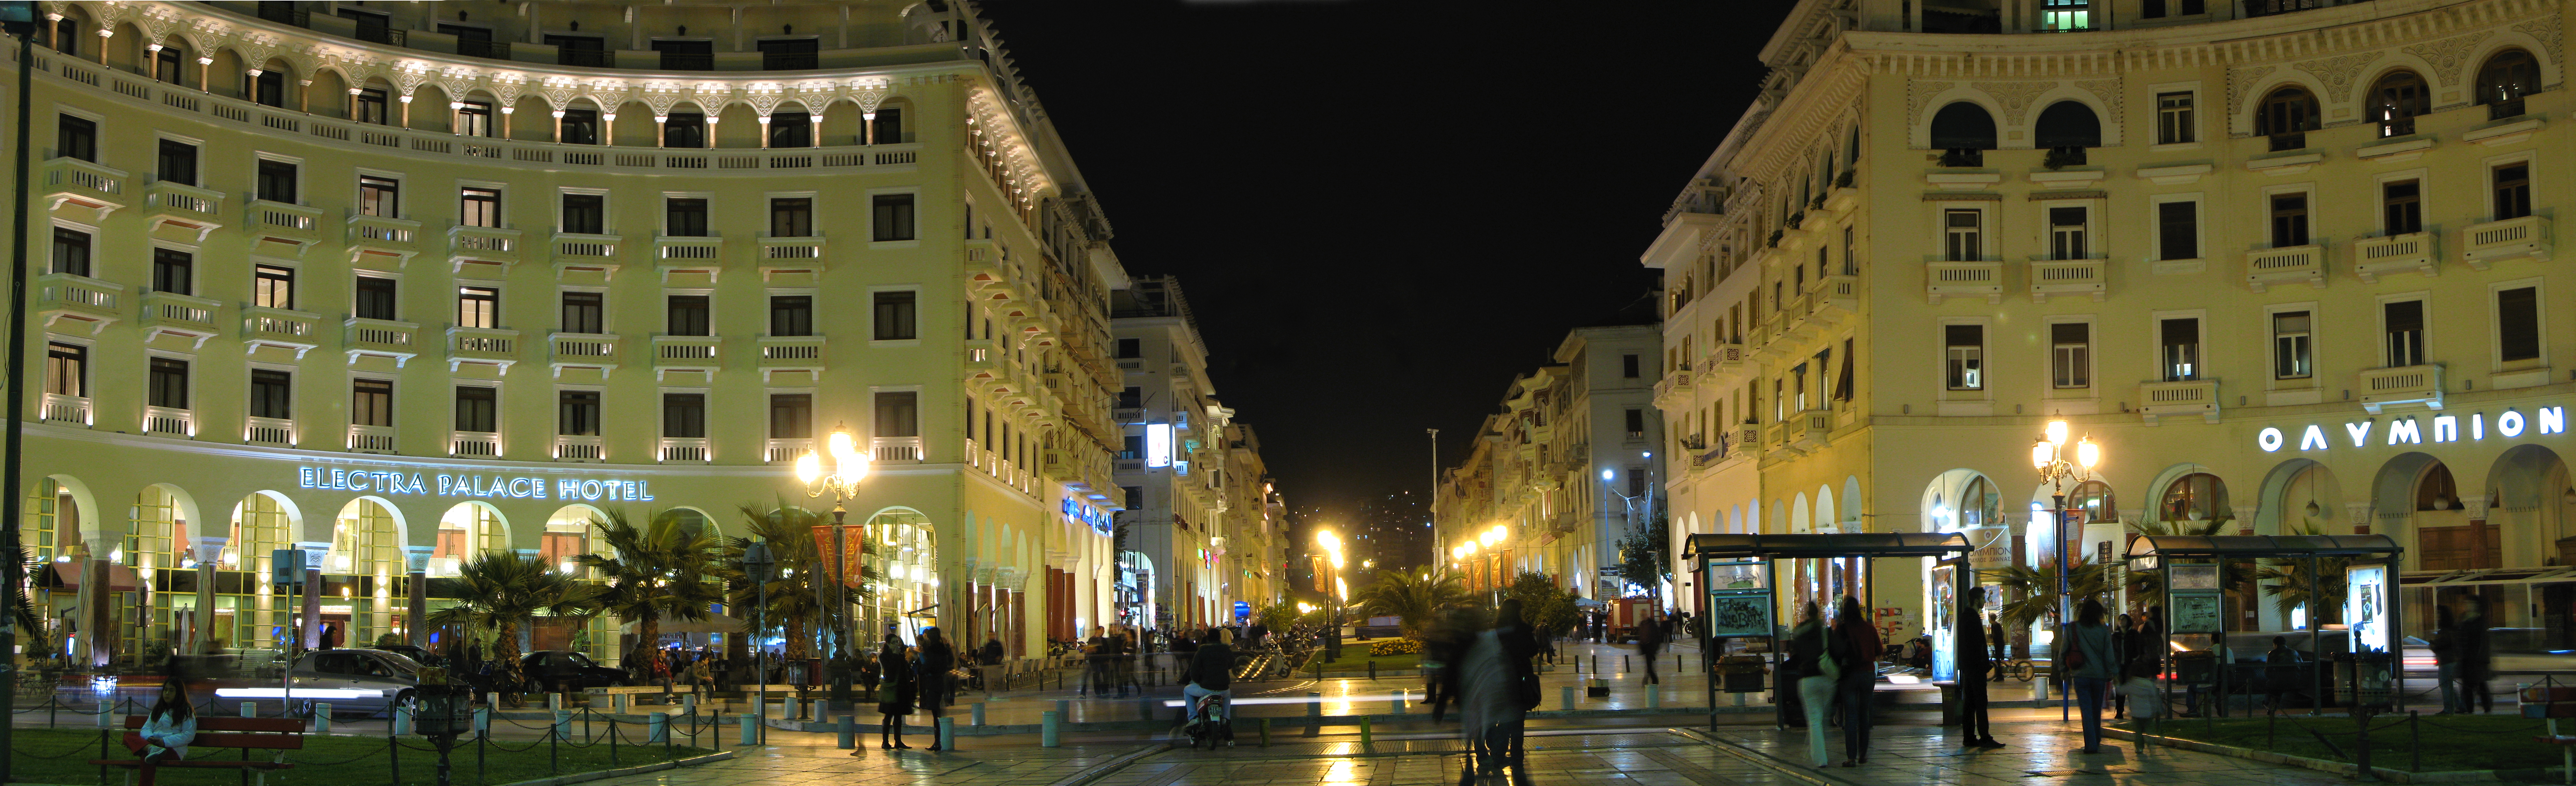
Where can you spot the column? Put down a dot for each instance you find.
(2245, 520)
(309, 618)
(208, 551)
(97, 604)
(416, 571)
(2360, 512)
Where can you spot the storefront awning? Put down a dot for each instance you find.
(2258, 546)
(1858, 544)
(119, 578)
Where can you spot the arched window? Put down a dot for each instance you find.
(2395, 100)
(2199, 496)
(2091, 502)
(2066, 128)
(2434, 490)
(2506, 77)
(1977, 504)
(1965, 130)
(2286, 116)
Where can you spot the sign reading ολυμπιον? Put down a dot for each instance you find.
(2510, 424)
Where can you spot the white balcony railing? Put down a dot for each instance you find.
(1964, 279)
(478, 444)
(781, 451)
(685, 351)
(60, 408)
(577, 245)
(901, 449)
(2292, 265)
(791, 351)
(268, 431)
(2413, 252)
(683, 449)
(792, 248)
(371, 439)
(483, 241)
(580, 447)
(2496, 241)
(2194, 397)
(2379, 387)
(2068, 277)
(169, 422)
(690, 249)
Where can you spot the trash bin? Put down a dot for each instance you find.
(1741, 673)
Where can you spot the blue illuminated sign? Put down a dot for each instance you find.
(486, 486)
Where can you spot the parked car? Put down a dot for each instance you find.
(369, 681)
(553, 670)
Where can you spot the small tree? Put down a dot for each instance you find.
(654, 572)
(1415, 596)
(1646, 555)
(501, 591)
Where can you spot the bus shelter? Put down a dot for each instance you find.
(2193, 598)
(1737, 573)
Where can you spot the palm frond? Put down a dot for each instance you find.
(1416, 596)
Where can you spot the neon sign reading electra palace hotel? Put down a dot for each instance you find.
(2412, 431)
(522, 487)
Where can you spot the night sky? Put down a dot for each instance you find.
(1382, 211)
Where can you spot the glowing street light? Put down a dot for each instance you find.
(849, 468)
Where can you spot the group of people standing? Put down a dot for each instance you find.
(910, 676)
(1835, 666)
(2463, 657)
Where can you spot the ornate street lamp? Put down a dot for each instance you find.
(1340, 592)
(849, 469)
(2048, 454)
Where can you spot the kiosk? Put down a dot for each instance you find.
(1737, 572)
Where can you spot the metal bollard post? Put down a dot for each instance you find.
(563, 725)
(322, 720)
(947, 733)
(1565, 693)
(977, 711)
(1654, 697)
(849, 732)
(1315, 705)
(1596, 663)
(617, 703)
(249, 709)
(750, 728)
(1047, 728)
(492, 700)
(1397, 706)
(1364, 730)
(657, 729)
(1265, 731)
(395, 719)
(554, 702)
(482, 719)
(689, 704)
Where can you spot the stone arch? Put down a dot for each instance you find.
(2241, 121)
(2530, 502)
(263, 522)
(366, 536)
(2552, 73)
(2393, 487)
(1943, 498)
(2071, 119)
(569, 533)
(177, 529)
(467, 530)
(1854, 516)
(1735, 519)
(2296, 493)
(2402, 88)
(50, 492)
(1823, 515)
(1800, 521)
(1920, 134)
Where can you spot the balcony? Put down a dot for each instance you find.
(80, 299)
(1675, 386)
(182, 207)
(2514, 238)
(278, 222)
(2186, 397)
(1813, 426)
(1835, 299)
(482, 345)
(371, 439)
(2380, 387)
(268, 431)
(583, 448)
(678, 450)
(71, 410)
(474, 444)
(1776, 433)
(491, 244)
(1721, 361)
(380, 338)
(792, 249)
(687, 250)
(791, 352)
(2068, 277)
(1965, 279)
(390, 239)
(2292, 265)
(906, 450)
(2413, 252)
(80, 184)
(781, 451)
(600, 248)
(166, 313)
(276, 327)
(170, 422)
(686, 353)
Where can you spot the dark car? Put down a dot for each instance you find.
(564, 670)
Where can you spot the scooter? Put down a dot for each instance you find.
(1214, 722)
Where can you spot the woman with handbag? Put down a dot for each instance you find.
(895, 688)
(1819, 672)
(1856, 649)
(931, 663)
(2090, 662)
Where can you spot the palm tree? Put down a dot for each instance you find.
(22, 609)
(655, 571)
(1415, 596)
(499, 591)
(789, 533)
(2291, 585)
(2034, 589)
(2151, 583)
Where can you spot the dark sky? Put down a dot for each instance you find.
(1382, 211)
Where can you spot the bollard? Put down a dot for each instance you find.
(107, 713)
(657, 729)
(398, 720)
(1047, 723)
(1566, 693)
(947, 734)
(617, 703)
(1372, 669)
(750, 728)
(849, 732)
(2038, 690)
(492, 699)
(563, 725)
(1397, 706)
(1315, 705)
(482, 719)
(1739, 699)
(1654, 698)
(689, 704)
(249, 709)
(322, 719)
(977, 711)
(1623, 664)
(554, 702)
(1364, 730)
(1265, 731)
(1596, 663)
(1064, 709)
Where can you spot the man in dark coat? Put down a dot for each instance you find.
(1975, 730)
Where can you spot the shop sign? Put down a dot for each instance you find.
(2511, 424)
(1077, 512)
(491, 486)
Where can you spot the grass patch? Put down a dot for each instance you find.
(336, 761)
(2450, 742)
(1356, 657)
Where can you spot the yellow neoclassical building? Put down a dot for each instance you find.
(2288, 263)
(400, 284)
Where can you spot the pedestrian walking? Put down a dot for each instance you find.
(895, 689)
(931, 663)
(2091, 662)
(1976, 731)
(1441, 647)
(2120, 646)
(1650, 645)
(2446, 657)
(1817, 672)
(1496, 691)
(2477, 659)
(1856, 649)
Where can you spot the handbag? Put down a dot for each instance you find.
(886, 693)
(1827, 668)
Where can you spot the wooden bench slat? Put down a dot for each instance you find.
(221, 723)
(134, 741)
(206, 764)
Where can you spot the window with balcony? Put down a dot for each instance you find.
(371, 402)
(474, 118)
(790, 54)
(578, 127)
(67, 369)
(1131, 397)
(266, 88)
(581, 50)
(174, 271)
(478, 207)
(272, 286)
(379, 196)
(2401, 207)
(166, 383)
(373, 298)
(887, 128)
(371, 105)
(2065, 15)
(177, 162)
(585, 214)
(478, 409)
(893, 216)
(2518, 324)
(2403, 323)
(898, 414)
(476, 42)
(67, 36)
(478, 307)
(682, 217)
(373, 27)
(71, 252)
(2512, 190)
(1964, 357)
(2504, 79)
(1962, 229)
(271, 394)
(791, 315)
(791, 416)
(791, 217)
(684, 415)
(2395, 101)
(2178, 230)
(2066, 232)
(1965, 131)
(2286, 116)
(684, 129)
(1131, 348)
(2181, 339)
(686, 54)
(791, 129)
(895, 316)
(2174, 119)
(2289, 220)
(2293, 350)
(76, 137)
(167, 64)
(583, 312)
(1133, 448)
(277, 181)
(1636, 422)
(577, 413)
(2070, 355)
(686, 315)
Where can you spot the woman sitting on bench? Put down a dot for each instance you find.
(171, 726)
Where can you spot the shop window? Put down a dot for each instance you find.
(2199, 496)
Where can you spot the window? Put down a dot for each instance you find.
(2174, 119)
(1131, 397)
(2395, 100)
(2293, 354)
(2403, 321)
(686, 55)
(894, 316)
(585, 214)
(373, 27)
(2066, 232)
(893, 217)
(1636, 423)
(2504, 80)
(370, 106)
(2286, 116)
(2289, 220)
(1965, 356)
(581, 50)
(1131, 348)
(2151, 9)
(475, 42)
(67, 369)
(578, 127)
(267, 88)
(178, 162)
(277, 181)
(2070, 355)
(67, 37)
(2065, 15)
(584, 312)
(71, 251)
(791, 217)
(2518, 324)
(887, 128)
(684, 129)
(477, 409)
(2199, 496)
(271, 394)
(1629, 366)
(1134, 448)
(2181, 339)
(2401, 205)
(75, 137)
(374, 298)
(791, 129)
(474, 118)
(272, 287)
(379, 196)
(684, 415)
(2065, 129)
(166, 64)
(478, 207)
(371, 402)
(1962, 227)
(577, 413)
(684, 217)
(1963, 129)
(2177, 230)
(686, 315)
(791, 315)
(791, 415)
(2512, 191)
(1134, 495)
(478, 307)
(898, 414)
(168, 384)
(174, 271)
(790, 54)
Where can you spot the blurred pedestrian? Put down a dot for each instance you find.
(1496, 690)
(894, 692)
(2092, 662)
(1857, 652)
(1976, 730)
(932, 662)
(2121, 634)
(2477, 659)
(1650, 644)
(2446, 657)
(1817, 673)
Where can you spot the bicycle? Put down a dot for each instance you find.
(2015, 668)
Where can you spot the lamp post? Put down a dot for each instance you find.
(1338, 594)
(849, 469)
(756, 562)
(19, 19)
(2048, 454)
